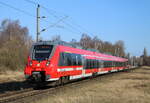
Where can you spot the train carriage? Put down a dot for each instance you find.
(55, 61)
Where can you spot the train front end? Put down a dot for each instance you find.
(38, 68)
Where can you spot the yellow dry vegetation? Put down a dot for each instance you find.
(9, 76)
(127, 87)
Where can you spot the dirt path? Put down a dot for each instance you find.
(127, 87)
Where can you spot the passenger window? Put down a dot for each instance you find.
(69, 61)
(79, 59)
(62, 59)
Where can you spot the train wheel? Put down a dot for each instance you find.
(65, 80)
(58, 82)
(94, 75)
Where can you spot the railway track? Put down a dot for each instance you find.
(14, 93)
(24, 96)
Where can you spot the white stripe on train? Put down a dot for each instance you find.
(82, 75)
(68, 69)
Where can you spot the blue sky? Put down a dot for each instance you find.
(110, 20)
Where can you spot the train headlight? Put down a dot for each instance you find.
(47, 64)
(30, 63)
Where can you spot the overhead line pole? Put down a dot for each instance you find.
(38, 23)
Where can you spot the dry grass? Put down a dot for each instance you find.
(130, 87)
(8, 76)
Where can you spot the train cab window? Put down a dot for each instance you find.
(41, 52)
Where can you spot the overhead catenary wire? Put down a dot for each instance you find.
(81, 27)
(55, 16)
(48, 11)
(29, 14)
(23, 11)
(56, 22)
(61, 18)
(78, 27)
(36, 3)
(74, 29)
(75, 26)
(17, 9)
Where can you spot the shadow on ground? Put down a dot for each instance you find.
(13, 86)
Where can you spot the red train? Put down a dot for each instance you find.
(61, 62)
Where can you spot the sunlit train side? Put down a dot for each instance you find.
(51, 61)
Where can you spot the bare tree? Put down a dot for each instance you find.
(85, 41)
(119, 48)
(14, 44)
(145, 57)
(56, 38)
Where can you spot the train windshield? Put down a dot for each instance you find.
(41, 52)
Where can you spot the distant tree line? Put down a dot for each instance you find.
(87, 42)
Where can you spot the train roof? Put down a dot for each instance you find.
(67, 45)
(58, 43)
